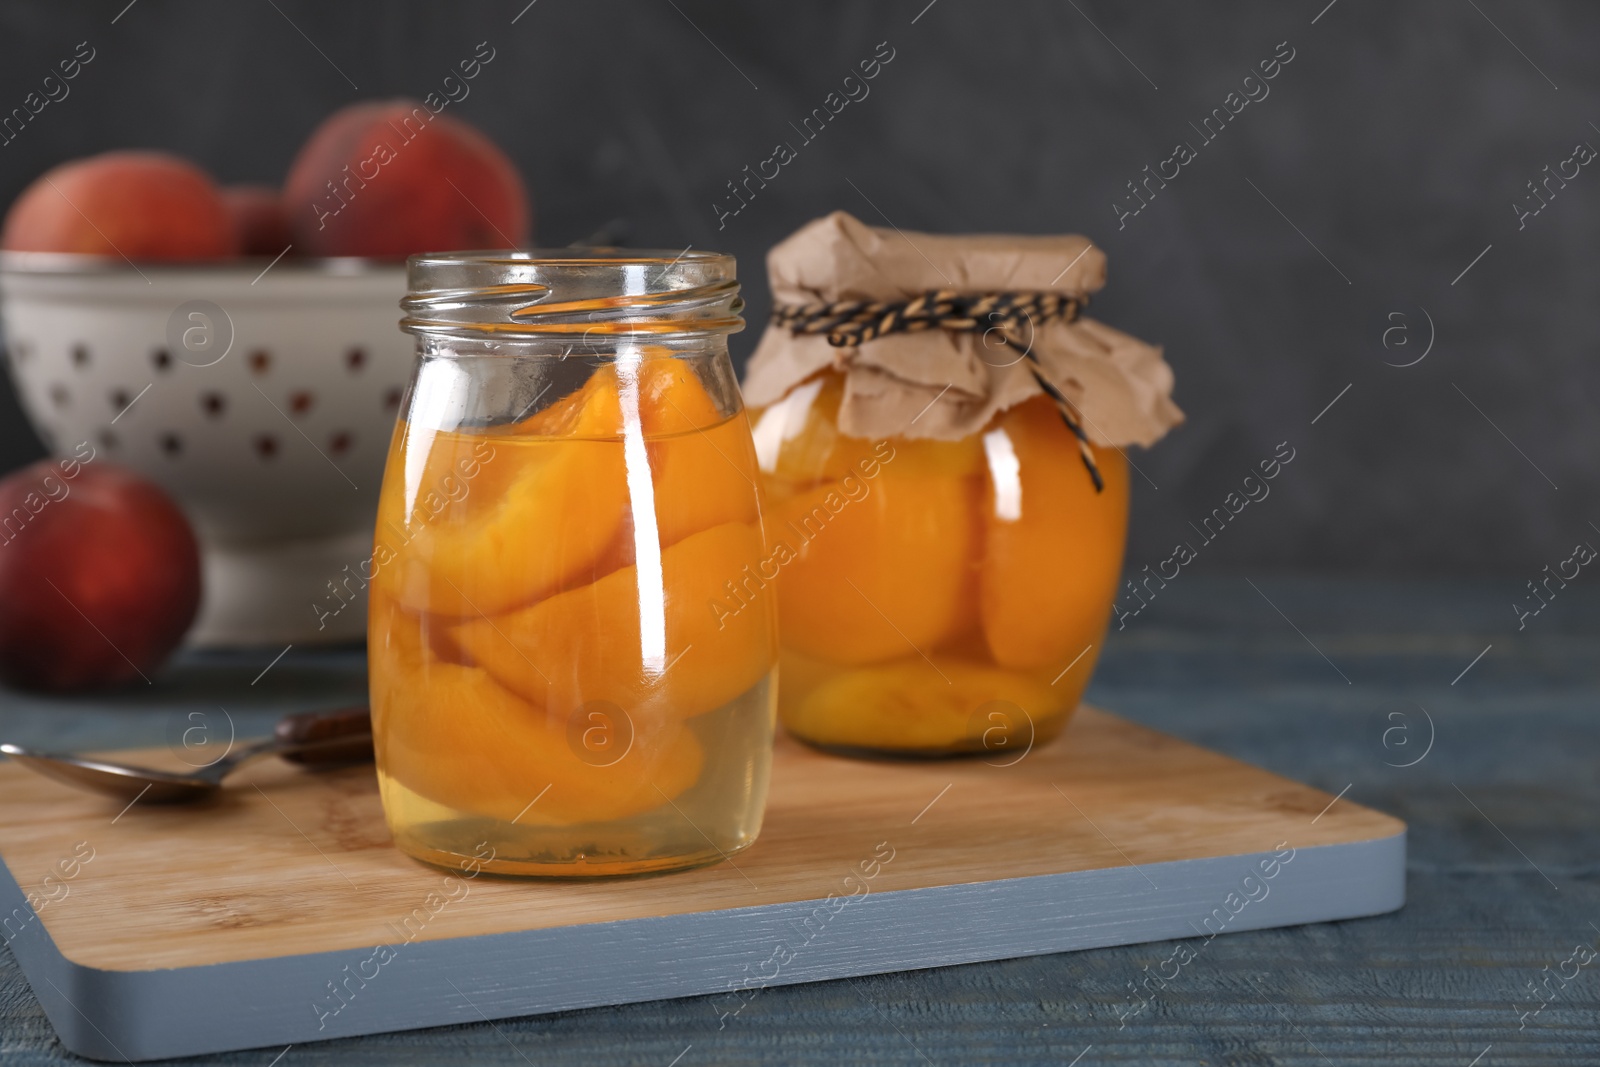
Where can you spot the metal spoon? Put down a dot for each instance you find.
(320, 738)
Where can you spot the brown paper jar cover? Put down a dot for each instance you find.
(946, 384)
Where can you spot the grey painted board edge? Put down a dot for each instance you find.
(151, 1014)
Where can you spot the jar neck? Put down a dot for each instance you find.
(591, 348)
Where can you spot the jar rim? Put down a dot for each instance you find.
(567, 292)
(569, 255)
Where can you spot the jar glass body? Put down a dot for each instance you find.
(936, 597)
(552, 693)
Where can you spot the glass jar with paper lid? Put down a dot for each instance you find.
(941, 436)
(570, 486)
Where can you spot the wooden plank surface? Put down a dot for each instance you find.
(292, 863)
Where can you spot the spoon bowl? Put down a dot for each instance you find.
(115, 779)
(328, 738)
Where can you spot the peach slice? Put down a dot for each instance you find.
(556, 518)
(551, 511)
(452, 734)
(912, 704)
(672, 399)
(702, 467)
(810, 450)
(704, 478)
(662, 652)
(701, 463)
(879, 571)
(460, 479)
(594, 409)
(1052, 545)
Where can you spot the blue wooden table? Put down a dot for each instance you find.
(1380, 690)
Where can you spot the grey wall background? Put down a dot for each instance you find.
(1387, 156)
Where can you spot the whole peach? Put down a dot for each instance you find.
(99, 575)
(387, 179)
(258, 219)
(139, 205)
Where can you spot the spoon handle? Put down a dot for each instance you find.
(322, 731)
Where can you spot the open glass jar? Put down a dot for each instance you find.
(569, 488)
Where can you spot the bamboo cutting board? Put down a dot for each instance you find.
(282, 914)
